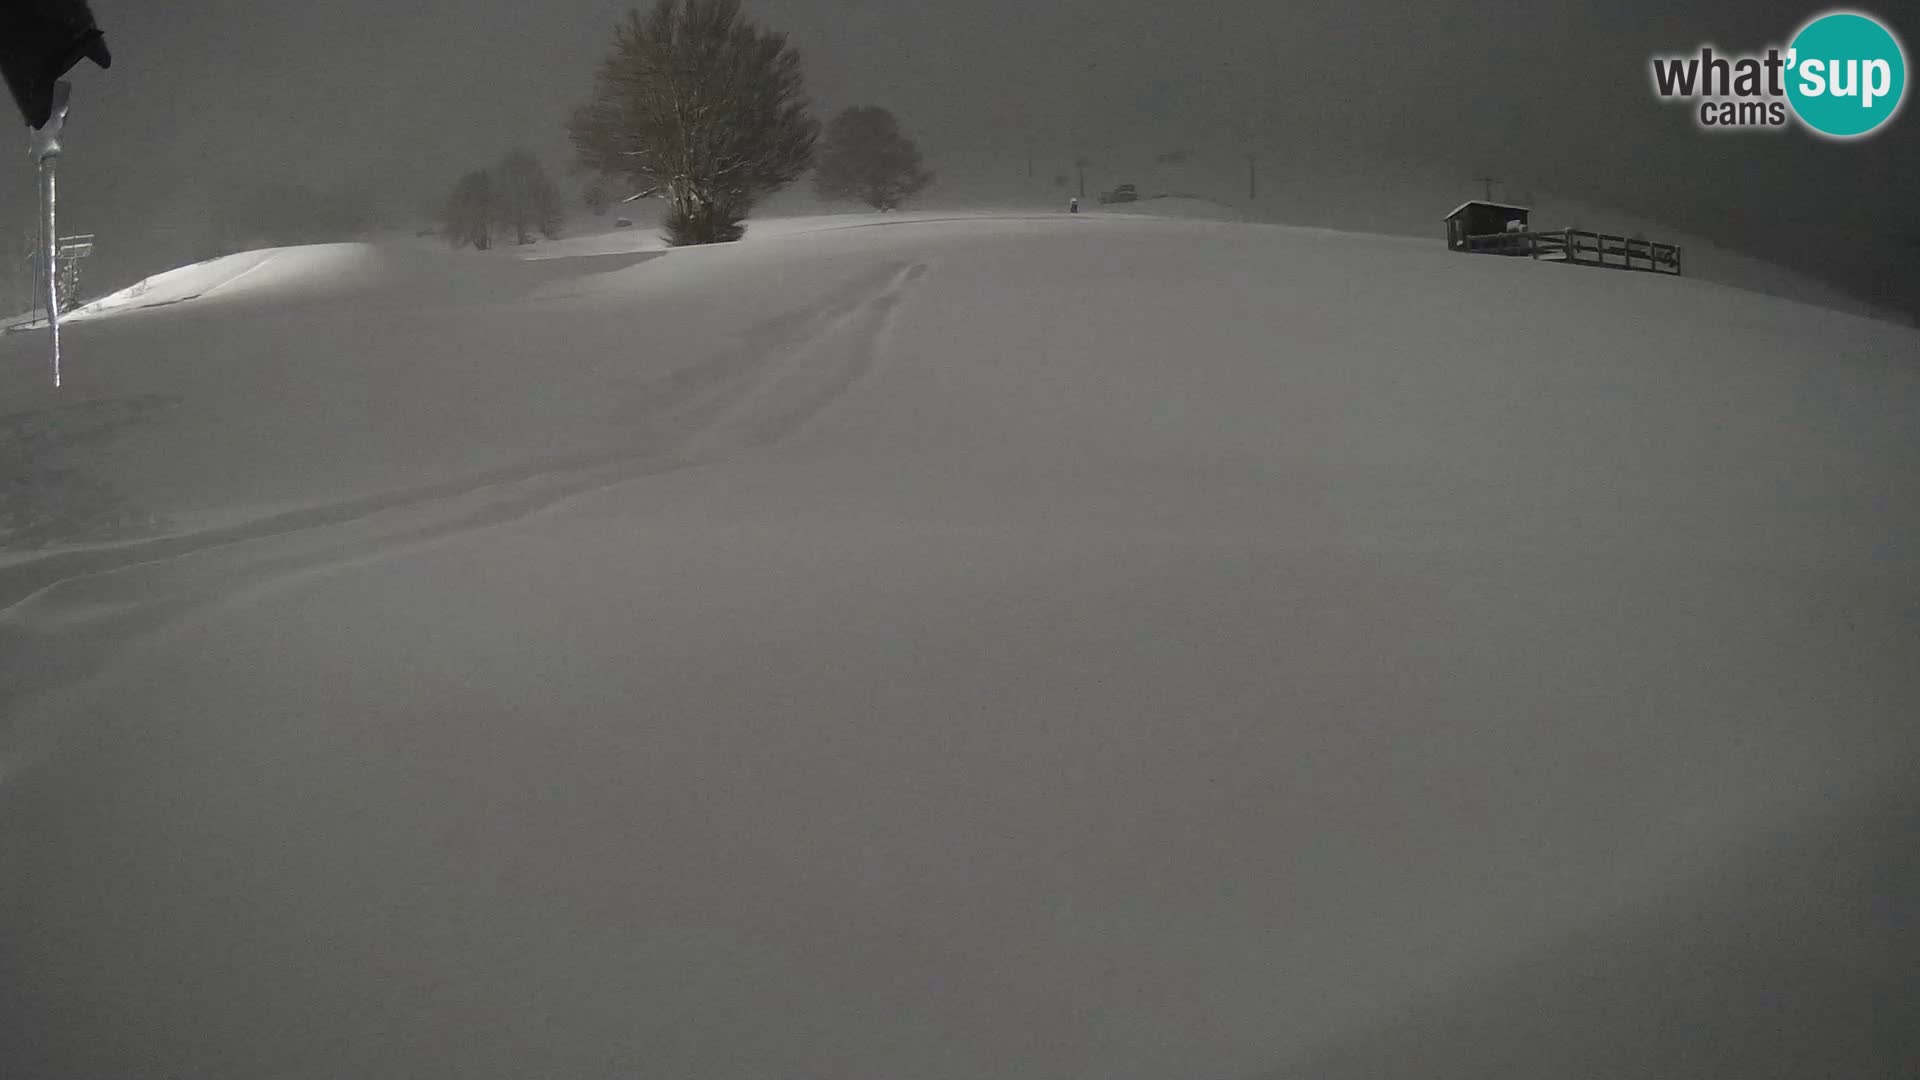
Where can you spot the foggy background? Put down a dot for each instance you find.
(227, 108)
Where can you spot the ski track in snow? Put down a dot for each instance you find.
(64, 614)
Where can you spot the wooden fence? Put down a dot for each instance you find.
(1582, 248)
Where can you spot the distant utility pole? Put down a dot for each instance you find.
(1489, 181)
(1253, 177)
(1029, 157)
(1080, 163)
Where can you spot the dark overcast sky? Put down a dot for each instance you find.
(406, 93)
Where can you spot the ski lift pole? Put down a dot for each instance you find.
(49, 177)
(43, 41)
(46, 151)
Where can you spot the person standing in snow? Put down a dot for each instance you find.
(1073, 205)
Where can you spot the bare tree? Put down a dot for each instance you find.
(697, 104)
(469, 215)
(866, 157)
(526, 199)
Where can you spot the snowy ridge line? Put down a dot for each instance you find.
(760, 230)
(948, 220)
(127, 299)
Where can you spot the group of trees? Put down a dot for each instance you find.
(515, 200)
(699, 107)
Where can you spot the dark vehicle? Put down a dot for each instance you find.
(1125, 193)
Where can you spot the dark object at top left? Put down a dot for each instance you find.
(41, 40)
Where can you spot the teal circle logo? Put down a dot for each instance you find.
(1848, 74)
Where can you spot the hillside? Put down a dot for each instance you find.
(1009, 645)
(1351, 195)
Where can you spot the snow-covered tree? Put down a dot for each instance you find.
(700, 106)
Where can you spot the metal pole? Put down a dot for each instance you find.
(50, 224)
(35, 264)
(46, 150)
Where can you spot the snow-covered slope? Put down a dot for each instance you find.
(402, 274)
(1398, 198)
(298, 269)
(1029, 647)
